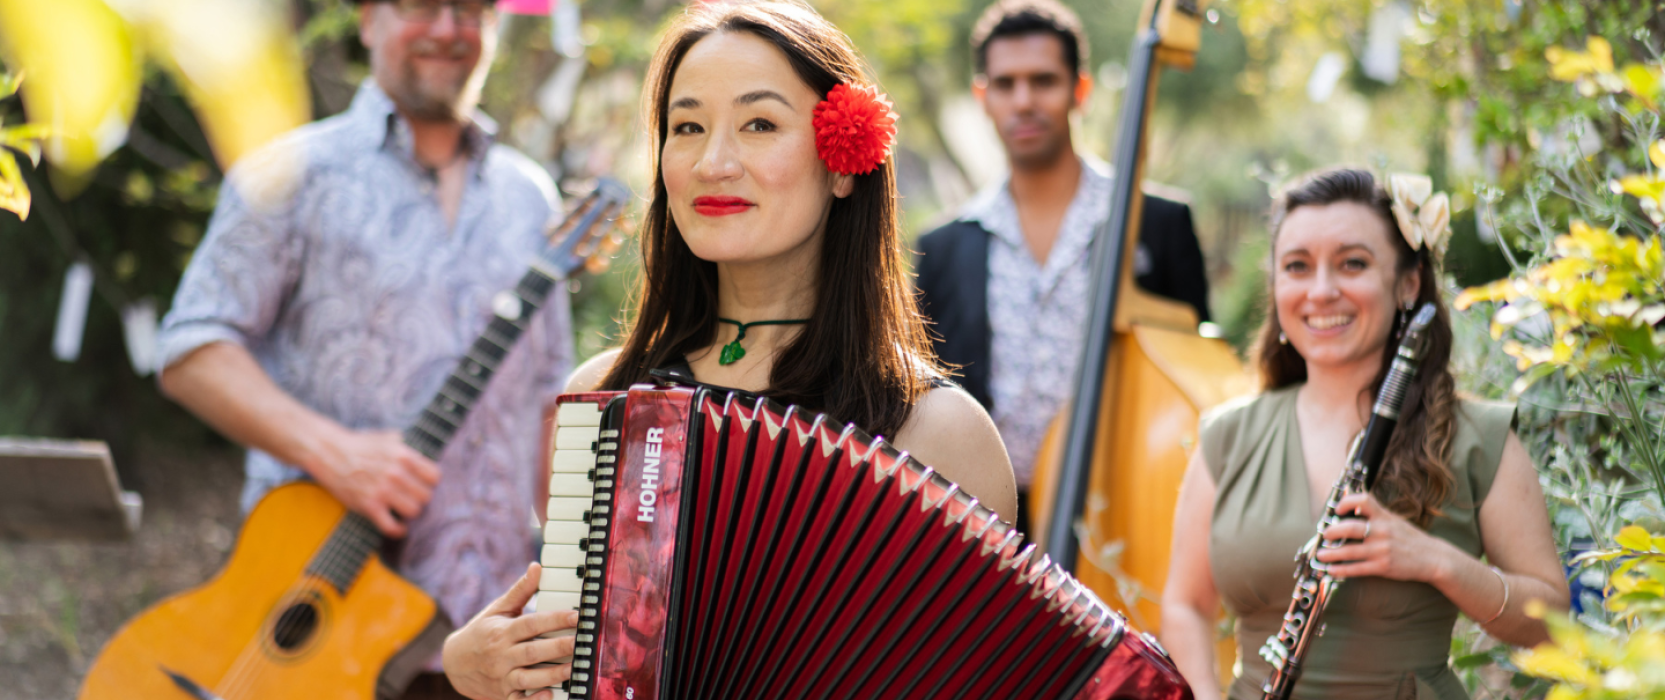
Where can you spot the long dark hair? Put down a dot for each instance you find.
(864, 356)
(1416, 477)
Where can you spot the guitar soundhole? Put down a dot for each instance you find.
(295, 626)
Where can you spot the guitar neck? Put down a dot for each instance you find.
(356, 538)
(440, 419)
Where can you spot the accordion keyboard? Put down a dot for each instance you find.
(572, 482)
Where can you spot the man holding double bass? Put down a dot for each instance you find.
(346, 270)
(1007, 283)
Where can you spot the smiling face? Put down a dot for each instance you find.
(742, 177)
(1336, 284)
(433, 70)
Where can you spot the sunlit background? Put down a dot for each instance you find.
(130, 111)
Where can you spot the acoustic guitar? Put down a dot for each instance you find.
(305, 607)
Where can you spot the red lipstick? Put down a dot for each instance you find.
(721, 206)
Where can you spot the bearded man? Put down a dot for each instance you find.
(347, 268)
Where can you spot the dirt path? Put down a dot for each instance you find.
(60, 602)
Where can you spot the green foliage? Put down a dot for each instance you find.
(1588, 662)
(1579, 319)
(24, 139)
(135, 224)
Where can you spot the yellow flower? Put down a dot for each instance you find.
(1591, 69)
(1568, 65)
(1644, 82)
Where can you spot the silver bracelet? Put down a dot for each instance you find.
(1505, 605)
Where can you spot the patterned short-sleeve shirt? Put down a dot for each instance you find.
(330, 260)
(1037, 310)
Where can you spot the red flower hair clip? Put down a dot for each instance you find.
(854, 129)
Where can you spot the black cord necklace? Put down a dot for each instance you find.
(733, 352)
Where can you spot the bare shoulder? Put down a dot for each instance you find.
(945, 408)
(950, 432)
(588, 376)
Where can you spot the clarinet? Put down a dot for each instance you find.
(1313, 583)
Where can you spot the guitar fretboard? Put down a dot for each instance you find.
(356, 538)
(441, 418)
(343, 555)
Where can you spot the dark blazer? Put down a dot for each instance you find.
(953, 268)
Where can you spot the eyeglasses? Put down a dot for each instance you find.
(466, 12)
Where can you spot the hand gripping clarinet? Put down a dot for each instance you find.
(1313, 583)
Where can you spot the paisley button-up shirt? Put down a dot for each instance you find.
(330, 260)
(1037, 310)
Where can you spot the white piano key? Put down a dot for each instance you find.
(575, 438)
(557, 634)
(572, 485)
(560, 579)
(572, 415)
(567, 508)
(566, 555)
(572, 461)
(565, 532)
(556, 600)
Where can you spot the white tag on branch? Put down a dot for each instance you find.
(72, 312)
(138, 324)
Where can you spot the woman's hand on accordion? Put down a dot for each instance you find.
(500, 653)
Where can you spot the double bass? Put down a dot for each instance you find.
(1108, 475)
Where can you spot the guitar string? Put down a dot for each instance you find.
(335, 553)
(245, 671)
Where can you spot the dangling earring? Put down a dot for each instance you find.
(1403, 314)
(1282, 339)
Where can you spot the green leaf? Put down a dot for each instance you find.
(9, 83)
(1471, 661)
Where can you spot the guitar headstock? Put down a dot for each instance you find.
(591, 232)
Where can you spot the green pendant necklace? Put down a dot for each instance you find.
(733, 352)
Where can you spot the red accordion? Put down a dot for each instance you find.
(720, 546)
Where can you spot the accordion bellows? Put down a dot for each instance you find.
(738, 548)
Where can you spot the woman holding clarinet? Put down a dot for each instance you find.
(1455, 521)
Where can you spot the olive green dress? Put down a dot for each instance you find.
(1383, 639)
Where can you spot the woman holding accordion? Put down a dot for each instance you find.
(1350, 258)
(772, 263)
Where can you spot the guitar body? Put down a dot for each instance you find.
(265, 628)
(305, 608)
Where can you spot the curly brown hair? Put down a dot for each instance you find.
(1416, 475)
